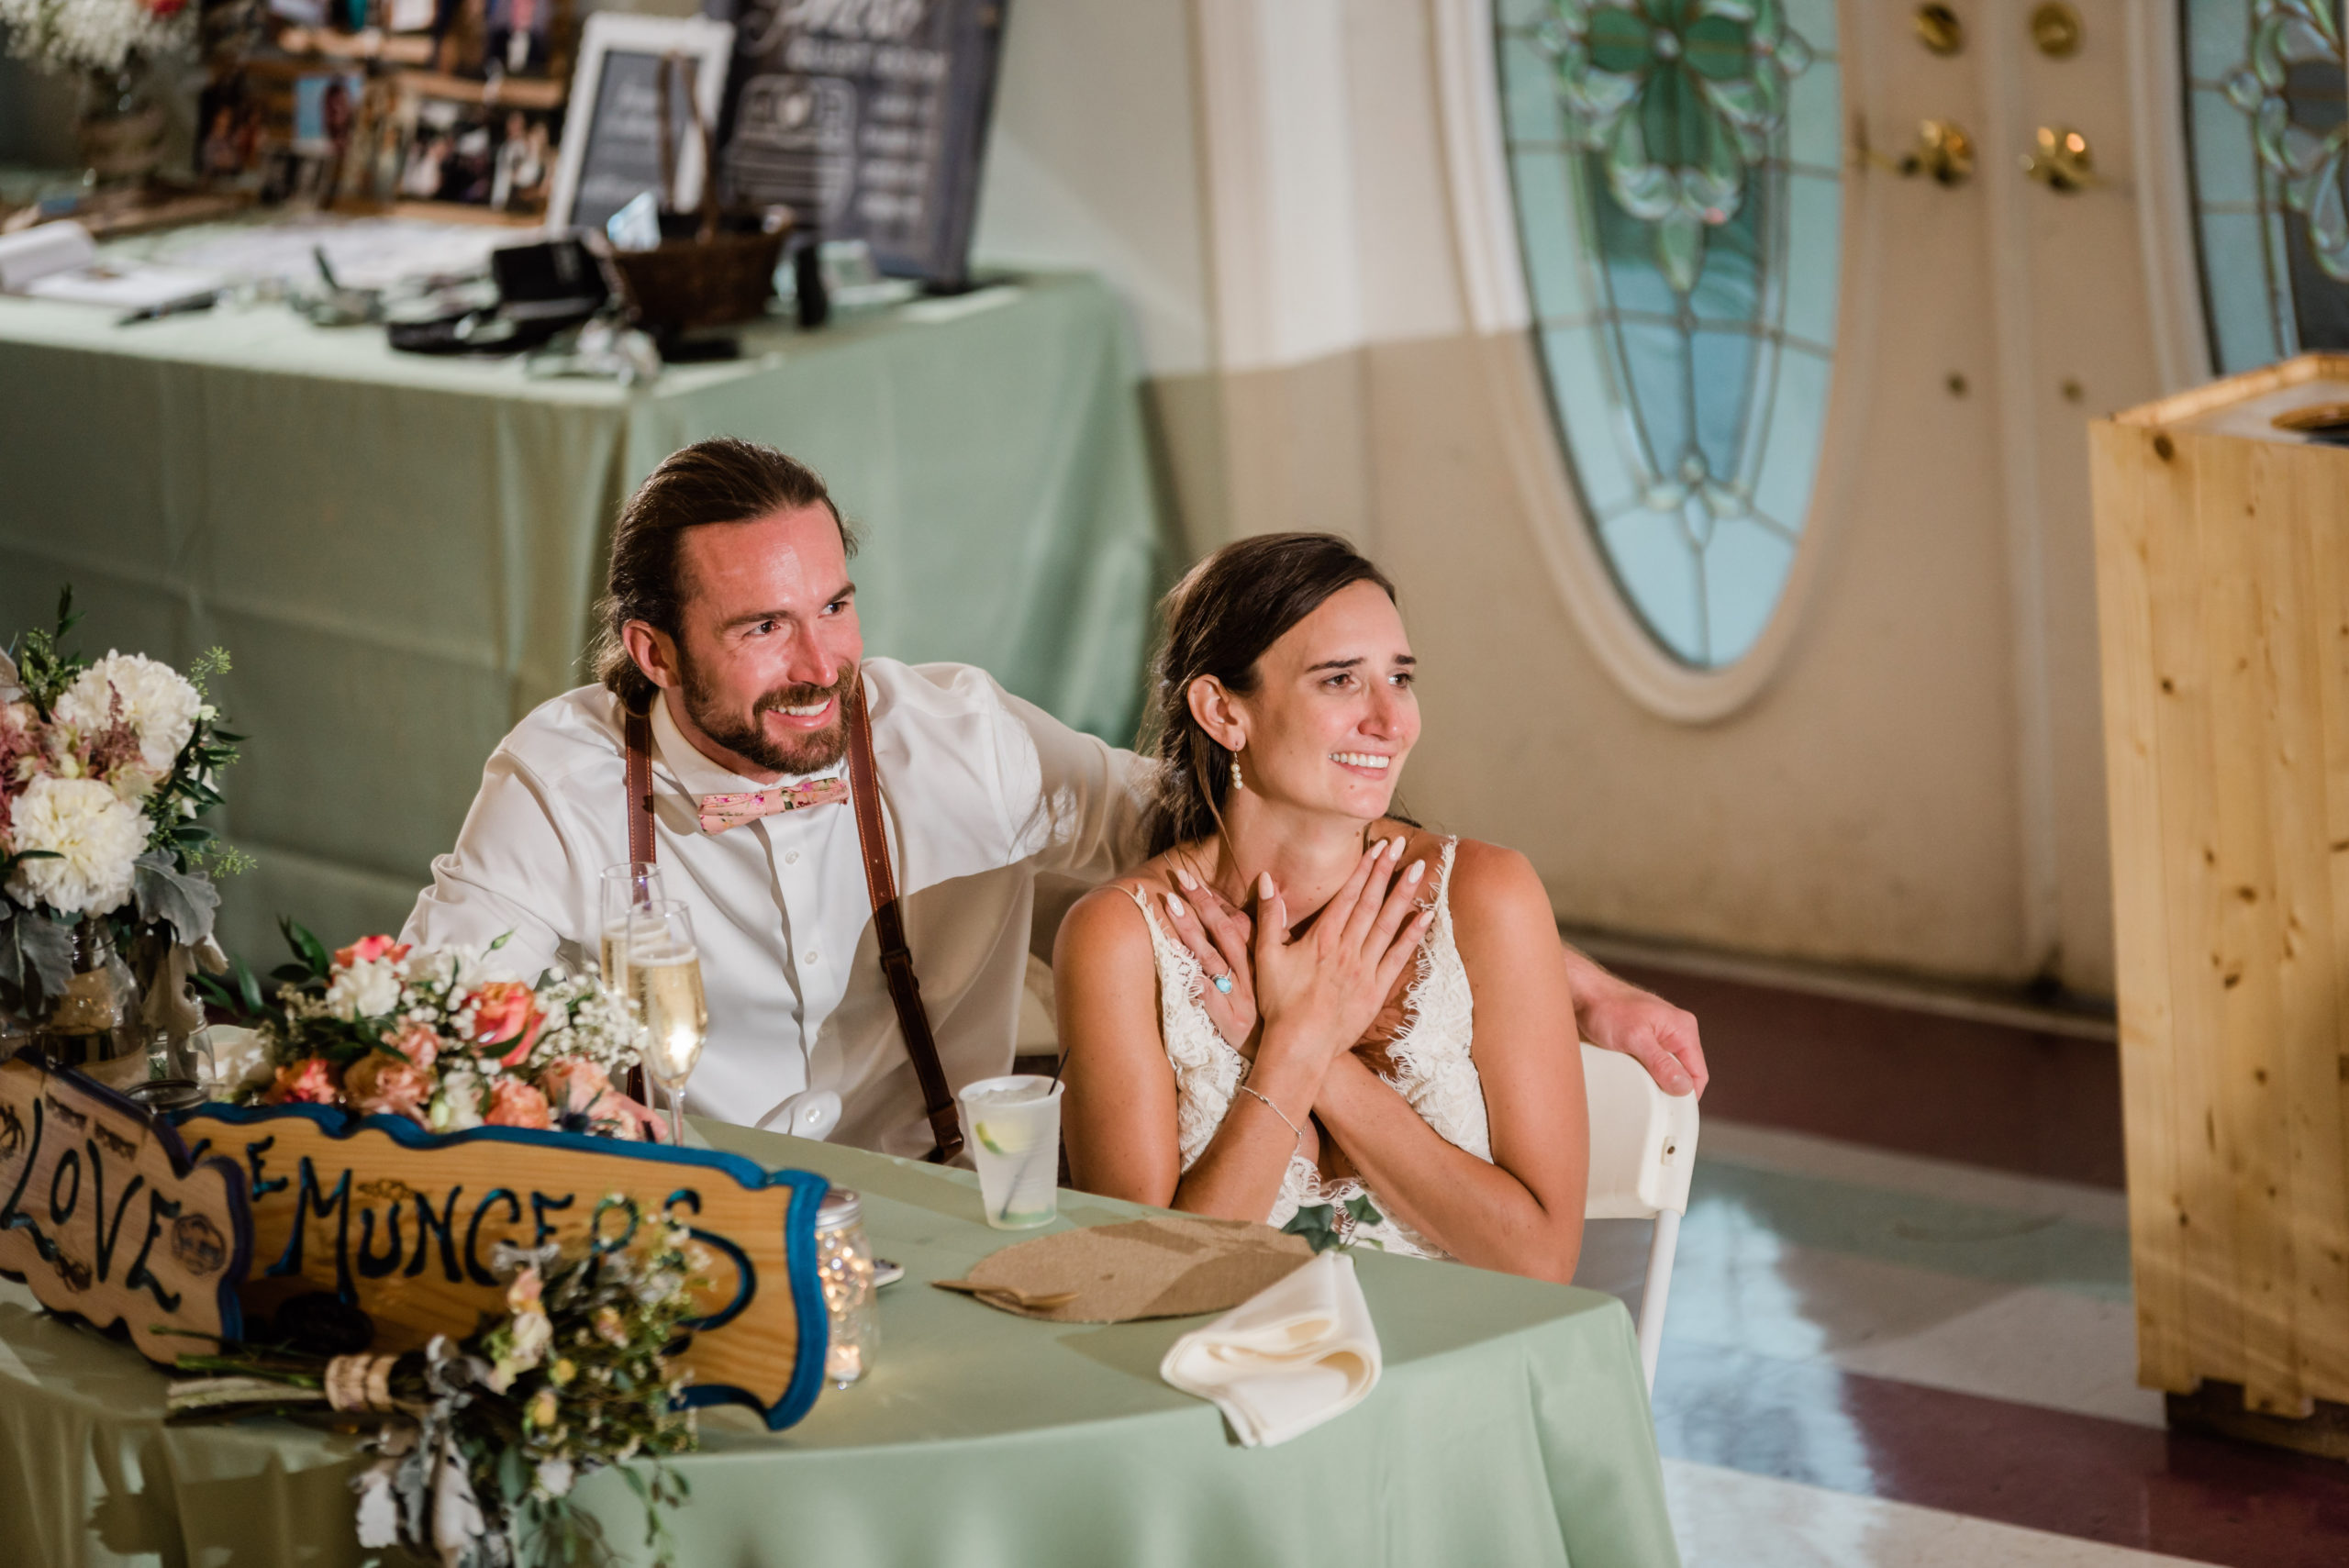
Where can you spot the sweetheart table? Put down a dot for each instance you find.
(402, 552)
(1510, 1425)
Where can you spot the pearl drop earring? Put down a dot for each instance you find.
(1237, 782)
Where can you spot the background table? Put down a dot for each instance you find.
(1511, 1427)
(401, 552)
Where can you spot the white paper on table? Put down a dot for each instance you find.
(123, 288)
(367, 253)
(31, 254)
(1287, 1359)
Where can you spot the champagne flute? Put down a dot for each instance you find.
(663, 969)
(630, 884)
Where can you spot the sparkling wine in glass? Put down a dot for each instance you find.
(663, 969)
(629, 885)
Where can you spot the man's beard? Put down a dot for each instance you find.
(807, 753)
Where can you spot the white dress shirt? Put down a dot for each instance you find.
(982, 792)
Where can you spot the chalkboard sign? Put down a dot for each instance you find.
(611, 142)
(869, 117)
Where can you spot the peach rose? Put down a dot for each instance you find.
(513, 1102)
(378, 1084)
(504, 1010)
(309, 1082)
(628, 1118)
(366, 950)
(572, 1084)
(421, 1043)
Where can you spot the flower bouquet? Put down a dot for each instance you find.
(96, 35)
(441, 1037)
(106, 899)
(482, 1441)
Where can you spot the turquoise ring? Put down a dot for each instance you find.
(1223, 983)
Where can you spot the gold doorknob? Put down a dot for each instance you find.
(1943, 152)
(2062, 160)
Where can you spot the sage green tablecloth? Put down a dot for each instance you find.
(1510, 1428)
(401, 552)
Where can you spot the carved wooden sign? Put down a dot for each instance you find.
(104, 1215)
(405, 1224)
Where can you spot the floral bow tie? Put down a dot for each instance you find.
(719, 812)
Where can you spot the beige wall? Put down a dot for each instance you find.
(1919, 785)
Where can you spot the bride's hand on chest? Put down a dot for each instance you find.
(1324, 990)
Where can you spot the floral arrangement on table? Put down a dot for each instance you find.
(441, 1037)
(485, 1440)
(105, 874)
(96, 35)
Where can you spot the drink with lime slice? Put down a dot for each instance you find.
(1013, 1125)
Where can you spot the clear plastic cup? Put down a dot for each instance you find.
(1013, 1129)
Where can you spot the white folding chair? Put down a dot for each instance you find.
(1642, 1149)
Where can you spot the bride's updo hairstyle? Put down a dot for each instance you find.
(1219, 619)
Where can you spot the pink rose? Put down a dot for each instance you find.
(574, 1084)
(421, 1043)
(504, 1010)
(381, 1085)
(309, 1082)
(513, 1102)
(366, 950)
(628, 1119)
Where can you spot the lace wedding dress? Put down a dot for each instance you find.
(1432, 1070)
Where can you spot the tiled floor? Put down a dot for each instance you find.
(1876, 1357)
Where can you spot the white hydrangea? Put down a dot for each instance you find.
(93, 35)
(95, 836)
(367, 990)
(157, 700)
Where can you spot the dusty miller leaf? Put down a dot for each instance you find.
(48, 946)
(166, 892)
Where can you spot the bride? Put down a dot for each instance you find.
(1393, 1059)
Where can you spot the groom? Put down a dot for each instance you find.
(730, 631)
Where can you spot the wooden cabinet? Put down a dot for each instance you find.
(2223, 587)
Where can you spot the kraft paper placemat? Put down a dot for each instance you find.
(1143, 1268)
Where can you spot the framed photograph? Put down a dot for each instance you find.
(611, 141)
(496, 155)
(326, 112)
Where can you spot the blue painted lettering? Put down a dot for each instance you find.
(474, 1270)
(308, 1201)
(444, 1225)
(539, 1203)
(159, 1210)
(59, 1213)
(107, 1238)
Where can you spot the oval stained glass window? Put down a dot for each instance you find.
(1676, 171)
(2267, 122)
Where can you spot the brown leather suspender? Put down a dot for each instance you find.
(880, 886)
(637, 729)
(896, 963)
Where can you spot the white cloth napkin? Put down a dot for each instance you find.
(1286, 1359)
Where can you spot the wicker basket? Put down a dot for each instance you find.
(688, 283)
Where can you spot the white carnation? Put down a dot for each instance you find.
(91, 35)
(156, 699)
(366, 990)
(95, 836)
(457, 1107)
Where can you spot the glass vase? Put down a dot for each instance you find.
(95, 1017)
(121, 127)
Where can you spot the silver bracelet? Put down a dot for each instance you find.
(1295, 1142)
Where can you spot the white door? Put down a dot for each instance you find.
(1951, 234)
